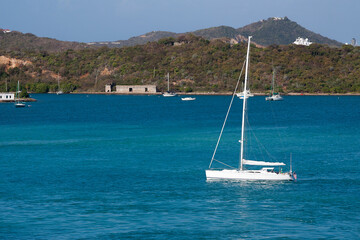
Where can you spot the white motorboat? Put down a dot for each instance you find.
(188, 99)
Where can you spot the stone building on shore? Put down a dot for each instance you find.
(131, 89)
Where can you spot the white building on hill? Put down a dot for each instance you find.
(5, 30)
(302, 41)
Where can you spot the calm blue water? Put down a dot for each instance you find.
(132, 167)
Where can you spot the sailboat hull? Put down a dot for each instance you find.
(169, 94)
(19, 105)
(227, 174)
(274, 98)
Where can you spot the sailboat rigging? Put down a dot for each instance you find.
(241, 173)
(18, 103)
(168, 93)
(274, 96)
(59, 92)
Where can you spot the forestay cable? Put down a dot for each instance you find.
(227, 114)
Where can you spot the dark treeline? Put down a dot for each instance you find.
(194, 64)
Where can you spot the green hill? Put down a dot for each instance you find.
(281, 31)
(17, 41)
(194, 63)
(139, 40)
(216, 32)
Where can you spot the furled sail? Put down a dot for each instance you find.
(262, 163)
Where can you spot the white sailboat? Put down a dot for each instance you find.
(59, 92)
(241, 94)
(168, 93)
(240, 173)
(274, 96)
(18, 103)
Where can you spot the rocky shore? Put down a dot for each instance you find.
(20, 99)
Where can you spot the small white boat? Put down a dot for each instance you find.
(241, 173)
(18, 103)
(274, 96)
(241, 94)
(188, 99)
(168, 93)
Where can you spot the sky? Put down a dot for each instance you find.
(111, 20)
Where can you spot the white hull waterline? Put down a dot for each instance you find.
(262, 174)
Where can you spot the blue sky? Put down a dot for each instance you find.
(110, 20)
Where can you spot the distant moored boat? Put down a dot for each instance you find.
(18, 103)
(168, 93)
(274, 96)
(188, 99)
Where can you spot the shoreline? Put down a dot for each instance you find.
(20, 99)
(186, 94)
(218, 94)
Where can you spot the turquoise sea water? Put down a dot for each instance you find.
(132, 167)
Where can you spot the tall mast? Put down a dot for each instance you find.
(244, 106)
(17, 90)
(273, 81)
(168, 82)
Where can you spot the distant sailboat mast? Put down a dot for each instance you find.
(168, 78)
(168, 93)
(244, 108)
(59, 92)
(273, 82)
(18, 103)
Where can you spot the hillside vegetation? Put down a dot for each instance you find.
(17, 41)
(194, 63)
